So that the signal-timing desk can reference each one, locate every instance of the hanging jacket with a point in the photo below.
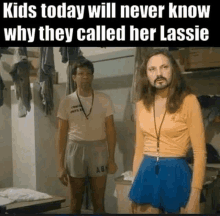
(70, 54)
(2, 87)
(2, 50)
(46, 73)
(20, 75)
(211, 106)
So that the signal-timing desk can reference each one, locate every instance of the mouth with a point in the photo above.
(159, 80)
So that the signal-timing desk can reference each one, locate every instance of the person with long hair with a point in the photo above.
(169, 121)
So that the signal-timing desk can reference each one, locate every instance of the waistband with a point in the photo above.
(85, 143)
(163, 158)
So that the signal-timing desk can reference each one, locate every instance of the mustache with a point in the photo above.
(159, 78)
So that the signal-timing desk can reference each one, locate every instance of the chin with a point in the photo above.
(161, 87)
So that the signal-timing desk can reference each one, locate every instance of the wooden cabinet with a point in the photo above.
(195, 58)
(202, 57)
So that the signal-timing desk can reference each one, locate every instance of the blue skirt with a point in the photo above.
(168, 188)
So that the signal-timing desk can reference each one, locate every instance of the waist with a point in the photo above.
(161, 157)
(85, 143)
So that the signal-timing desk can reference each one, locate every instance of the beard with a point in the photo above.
(161, 83)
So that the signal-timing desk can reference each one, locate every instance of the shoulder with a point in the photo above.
(68, 98)
(71, 96)
(190, 99)
(140, 105)
(102, 96)
(191, 103)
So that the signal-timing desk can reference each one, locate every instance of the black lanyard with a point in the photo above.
(158, 137)
(82, 105)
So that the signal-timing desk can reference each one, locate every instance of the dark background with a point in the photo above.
(211, 23)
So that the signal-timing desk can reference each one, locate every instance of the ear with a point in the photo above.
(73, 77)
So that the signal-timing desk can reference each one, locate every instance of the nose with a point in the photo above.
(158, 72)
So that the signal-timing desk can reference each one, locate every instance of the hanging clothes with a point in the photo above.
(45, 74)
(2, 87)
(210, 108)
(20, 75)
(2, 50)
(70, 54)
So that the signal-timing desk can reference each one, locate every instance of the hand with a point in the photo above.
(193, 205)
(63, 177)
(112, 167)
(192, 208)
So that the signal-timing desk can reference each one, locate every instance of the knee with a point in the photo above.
(99, 211)
(143, 209)
(98, 203)
(98, 206)
(75, 205)
(74, 208)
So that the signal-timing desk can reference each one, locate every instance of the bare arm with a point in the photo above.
(139, 145)
(197, 136)
(111, 140)
(61, 142)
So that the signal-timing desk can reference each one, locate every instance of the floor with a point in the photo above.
(66, 210)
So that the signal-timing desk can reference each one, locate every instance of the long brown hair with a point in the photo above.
(178, 87)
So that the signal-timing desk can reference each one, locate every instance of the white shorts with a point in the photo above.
(86, 158)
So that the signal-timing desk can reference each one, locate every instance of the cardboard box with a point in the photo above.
(122, 188)
(201, 57)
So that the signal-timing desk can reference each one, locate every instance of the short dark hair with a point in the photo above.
(178, 88)
(82, 62)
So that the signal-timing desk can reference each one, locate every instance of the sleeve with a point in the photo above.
(109, 107)
(197, 136)
(139, 145)
(62, 112)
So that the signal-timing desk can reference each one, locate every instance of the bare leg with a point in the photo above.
(200, 211)
(77, 187)
(144, 209)
(98, 185)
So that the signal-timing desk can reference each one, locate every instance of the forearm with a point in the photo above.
(61, 149)
(110, 136)
(111, 140)
(198, 142)
(138, 156)
(199, 169)
(61, 142)
(195, 194)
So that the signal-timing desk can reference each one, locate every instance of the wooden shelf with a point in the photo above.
(10, 51)
(202, 73)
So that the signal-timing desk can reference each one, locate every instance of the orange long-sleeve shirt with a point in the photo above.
(177, 132)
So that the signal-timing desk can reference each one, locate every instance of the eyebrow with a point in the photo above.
(166, 64)
(151, 67)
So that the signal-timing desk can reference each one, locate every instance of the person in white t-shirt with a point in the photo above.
(86, 139)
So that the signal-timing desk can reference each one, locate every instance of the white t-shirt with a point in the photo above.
(80, 128)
